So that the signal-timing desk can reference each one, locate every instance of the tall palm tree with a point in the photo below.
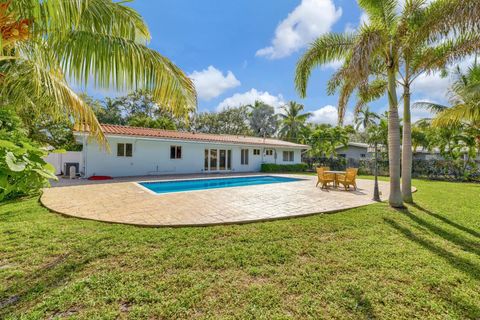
(373, 43)
(292, 121)
(48, 43)
(365, 118)
(382, 48)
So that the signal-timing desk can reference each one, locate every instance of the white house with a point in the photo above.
(143, 151)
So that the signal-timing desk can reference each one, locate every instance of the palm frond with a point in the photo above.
(381, 12)
(36, 78)
(451, 50)
(456, 115)
(430, 106)
(124, 65)
(443, 18)
(325, 49)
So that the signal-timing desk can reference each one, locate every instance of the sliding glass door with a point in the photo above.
(218, 160)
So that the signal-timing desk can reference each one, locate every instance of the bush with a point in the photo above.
(22, 169)
(271, 167)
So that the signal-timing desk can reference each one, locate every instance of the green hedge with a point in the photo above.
(270, 167)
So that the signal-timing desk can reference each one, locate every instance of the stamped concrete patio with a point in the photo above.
(127, 202)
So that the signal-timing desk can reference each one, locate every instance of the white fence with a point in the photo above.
(58, 160)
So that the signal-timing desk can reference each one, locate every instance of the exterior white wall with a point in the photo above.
(152, 157)
(59, 159)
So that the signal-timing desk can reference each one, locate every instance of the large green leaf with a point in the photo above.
(10, 159)
(45, 174)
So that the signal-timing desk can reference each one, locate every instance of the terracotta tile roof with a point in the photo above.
(190, 136)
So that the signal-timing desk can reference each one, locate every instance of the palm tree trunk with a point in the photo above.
(407, 147)
(395, 199)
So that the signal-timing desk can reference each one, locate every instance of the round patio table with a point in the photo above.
(335, 184)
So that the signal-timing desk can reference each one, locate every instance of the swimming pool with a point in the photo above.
(216, 183)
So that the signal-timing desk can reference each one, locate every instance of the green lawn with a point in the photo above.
(371, 262)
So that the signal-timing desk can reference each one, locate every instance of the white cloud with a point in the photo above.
(210, 82)
(432, 86)
(335, 64)
(364, 19)
(249, 97)
(305, 23)
(329, 115)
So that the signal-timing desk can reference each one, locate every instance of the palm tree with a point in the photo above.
(47, 44)
(292, 121)
(381, 48)
(372, 44)
(464, 98)
(365, 118)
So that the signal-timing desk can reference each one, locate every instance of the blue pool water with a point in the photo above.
(203, 184)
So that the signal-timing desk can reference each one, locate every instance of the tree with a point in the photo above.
(373, 44)
(263, 120)
(292, 121)
(108, 112)
(49, 42)
(325, 139)
(381, 47)
(464, 100)
(164, 123)
(228, 121)
(365, 118)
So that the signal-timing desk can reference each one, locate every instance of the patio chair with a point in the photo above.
(324, 178)
(348, 179)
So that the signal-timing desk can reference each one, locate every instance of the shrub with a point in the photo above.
(22, 169)
(271, 167)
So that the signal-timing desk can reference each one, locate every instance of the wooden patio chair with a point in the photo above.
(348, 179)
(324, 178)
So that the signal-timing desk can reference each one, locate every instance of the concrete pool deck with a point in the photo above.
(128, 203)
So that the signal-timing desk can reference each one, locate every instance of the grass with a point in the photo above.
(367, 263)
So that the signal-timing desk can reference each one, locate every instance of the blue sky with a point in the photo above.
(238, 51)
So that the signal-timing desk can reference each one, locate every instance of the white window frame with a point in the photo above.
(124, 149)
(256, 152)
(269, 152)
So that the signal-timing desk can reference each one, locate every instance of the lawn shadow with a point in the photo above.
(462, 264)
(454, 238)
(448, 221)
(363, 304)
(47, 277)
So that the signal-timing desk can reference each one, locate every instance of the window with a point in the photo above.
(124, 149)
(244, 157)
(256, 152)
(342, 155)
(175, 152)
(362, 155)
(269, 152)
(287, 155)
